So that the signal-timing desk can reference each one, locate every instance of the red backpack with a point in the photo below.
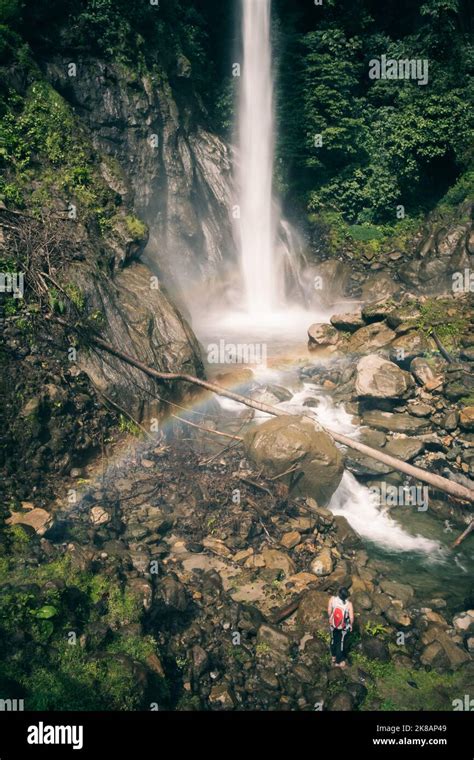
(339, 616)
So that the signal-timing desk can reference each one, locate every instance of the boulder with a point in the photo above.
(291, 539)
(173, 594)
(323, 563)
(408, 346)
(365, 466)
(404, 317)
(464, 621)
(301, 581)
(283, 442)
(397, 590)
(380, 379)
(419, 409)
(398, 617)
(99, 516)
(342, 702)
(448, 239)
(216, 546)
(458, 383)
(405, 449)
(142, 589)
(200, 660)
(36, 518)
(377, 312)
(341, 576)
(425, 373)
(450, 420)
(272, 641)
(361, 600)
(313, 611)
(375, 648)
(221, 697)
(440, 651)
(346, 536)
(379, 287)
(322, 335)
(395, 423)
(434, 656)
(426, 275)
(466, 418)
(277, 560)
(347, 322)
(141, 321)
(369, 338)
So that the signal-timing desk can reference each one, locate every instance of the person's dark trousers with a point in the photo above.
(338, 645)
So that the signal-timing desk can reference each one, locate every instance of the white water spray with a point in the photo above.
(256, 148)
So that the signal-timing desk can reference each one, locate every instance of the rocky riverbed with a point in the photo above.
(165, 573)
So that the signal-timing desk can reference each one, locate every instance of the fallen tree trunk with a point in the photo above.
(284, 612)
(455, 490)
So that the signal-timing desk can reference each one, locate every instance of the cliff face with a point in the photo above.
(112, 119)
(178, 175)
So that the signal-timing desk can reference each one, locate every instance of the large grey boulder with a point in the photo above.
(380, 379)
(141, 321)
(284, 442)
(370, 338)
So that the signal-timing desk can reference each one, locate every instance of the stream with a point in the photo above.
(410, 546)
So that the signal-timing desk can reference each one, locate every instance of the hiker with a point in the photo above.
(341, 620)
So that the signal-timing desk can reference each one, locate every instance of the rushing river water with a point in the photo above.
(411, 546)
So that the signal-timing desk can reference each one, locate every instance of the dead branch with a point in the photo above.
(284, 612)
(463, 535)
(207, 430)
(441, 348)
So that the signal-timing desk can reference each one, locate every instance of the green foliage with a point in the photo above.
(391, 687)
(136, 227)
(462, 190)
(18, 536)
(9, 10)
(385, 143)
(56, 673)
(76, 295)
(324, 636)
(445, 319)
(375, 629)
(56, 302)
(126, 425)
(41, 138)
(363, 238)
(79, 682)
(46, 612)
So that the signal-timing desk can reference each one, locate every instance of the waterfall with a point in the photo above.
(256, 149)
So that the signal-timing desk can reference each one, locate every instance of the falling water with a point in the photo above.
(256, 146)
